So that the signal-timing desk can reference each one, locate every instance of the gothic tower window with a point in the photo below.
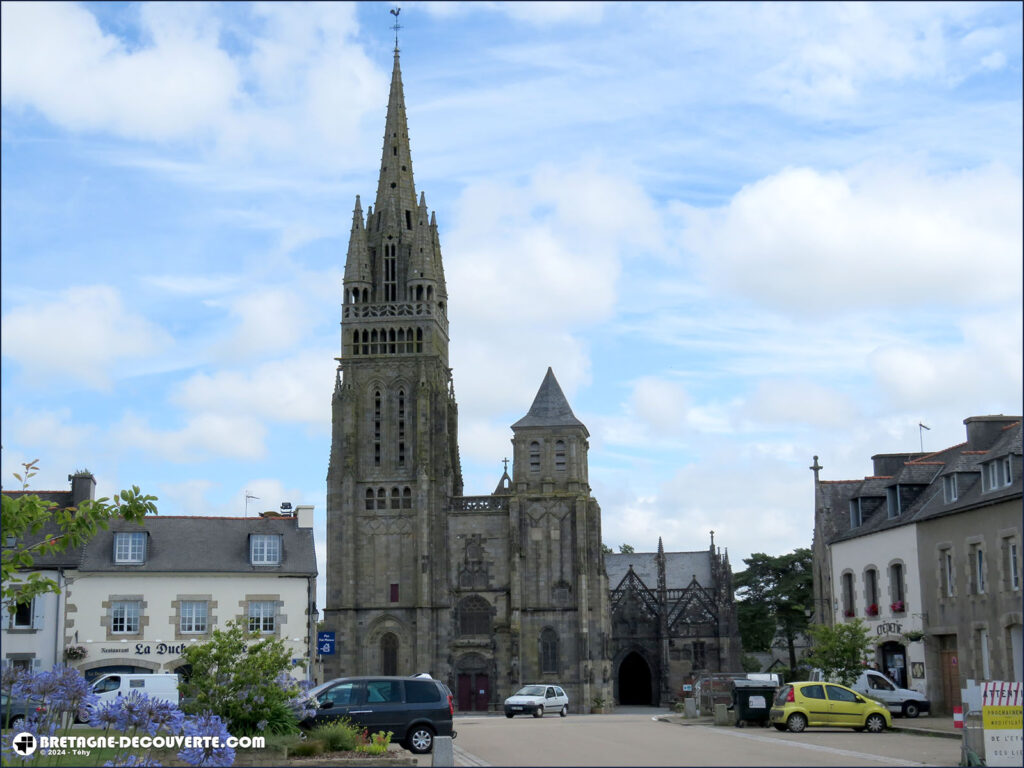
(407, 498)
(548, 650)
(534, 456)
(390, 272)
(389, 654)
(419, 339)
(355, 342)
(395, 499)
(374, 346)
(401, 428)
(376, 427)
(369, 498)
(474, 616)
(382, 499)
(560, 456)
(391, 341)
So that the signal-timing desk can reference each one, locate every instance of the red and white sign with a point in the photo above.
(958, 717)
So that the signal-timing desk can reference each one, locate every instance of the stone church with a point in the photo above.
(486, 593)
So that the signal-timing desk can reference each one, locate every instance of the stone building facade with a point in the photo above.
(484, 592)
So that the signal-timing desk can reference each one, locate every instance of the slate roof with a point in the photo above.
(68, 558)
(550, 408)
(930, 503)
(204, 544)
(680, 568)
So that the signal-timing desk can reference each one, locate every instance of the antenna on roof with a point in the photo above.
(247, 497)
(920, 433)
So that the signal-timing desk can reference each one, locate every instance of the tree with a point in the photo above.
(605, 549)
(840, 650)
(243, 678)
(626, 549)
(773, 595)
(40, 528)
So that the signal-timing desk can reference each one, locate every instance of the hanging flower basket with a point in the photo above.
(74, 652)
(914, 636)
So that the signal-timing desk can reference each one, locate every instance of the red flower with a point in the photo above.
(873, 609)
(897, 607)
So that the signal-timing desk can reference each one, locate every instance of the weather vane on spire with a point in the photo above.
(394, 12)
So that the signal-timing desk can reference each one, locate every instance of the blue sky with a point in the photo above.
(742, 235)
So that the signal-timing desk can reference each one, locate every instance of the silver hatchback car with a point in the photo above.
(536, 700)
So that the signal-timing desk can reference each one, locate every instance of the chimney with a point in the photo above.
(983, 431)
(83, 487)
(889, 464)
(304, 515)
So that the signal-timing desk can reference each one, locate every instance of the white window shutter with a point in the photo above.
(37, 614)
(37, 662)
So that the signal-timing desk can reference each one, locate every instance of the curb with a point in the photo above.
(928, 732)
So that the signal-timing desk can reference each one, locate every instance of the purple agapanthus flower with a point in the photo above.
(210, 726)
(125, 759)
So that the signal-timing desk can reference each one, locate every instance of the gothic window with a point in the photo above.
(376, 427)
(560, 456)
(382, 499)
(474, 616)
(390, 272)
(401, 341)
(391, 342)
(401, 427)
(408, 219)
(407, 498)
(419, 339)
(369, 498)
(389, 654)
(700, 655)
(535, 456)
(395, 502)
(366, 342)
(548, 650)
(355, 342)
(374, 346)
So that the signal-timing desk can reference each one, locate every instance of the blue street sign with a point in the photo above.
(325, 643)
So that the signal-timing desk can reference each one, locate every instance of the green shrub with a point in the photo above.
(378, 744)
(308, 748)
(283, 743)
(339, 736)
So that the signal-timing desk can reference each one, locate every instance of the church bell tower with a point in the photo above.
(394, 460)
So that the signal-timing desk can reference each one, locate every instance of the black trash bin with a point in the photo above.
(752, 702)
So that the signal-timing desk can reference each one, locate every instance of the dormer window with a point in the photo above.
(1007, 463)
(892, 499)
(949, 489)
(265, 549)
(130, 547)
(856, 513)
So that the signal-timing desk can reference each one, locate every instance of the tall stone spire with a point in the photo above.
(357, 265)
(396, 183)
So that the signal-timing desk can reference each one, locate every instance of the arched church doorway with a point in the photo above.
(635, 681)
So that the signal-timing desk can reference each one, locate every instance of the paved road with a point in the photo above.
(638, 738)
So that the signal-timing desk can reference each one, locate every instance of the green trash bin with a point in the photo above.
(752, 702)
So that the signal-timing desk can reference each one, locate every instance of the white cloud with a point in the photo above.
(893, 238)
(205, 435)
(80, 334)
(787, 403)
(661, 405)
(295, 389)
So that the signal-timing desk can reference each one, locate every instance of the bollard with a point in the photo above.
(721, 714)
(690, 708)
(444, 752)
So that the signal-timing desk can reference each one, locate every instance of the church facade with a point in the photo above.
(486, 593)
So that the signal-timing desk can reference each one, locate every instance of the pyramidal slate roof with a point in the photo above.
(550, 408)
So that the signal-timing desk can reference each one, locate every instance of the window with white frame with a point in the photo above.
(262, 616)
(978, 556)
(22, 616)
(1007, 462)
(265, 549)
(129, 547)
(949, 489)
(124, 617)
(998, 474)
(193, 617)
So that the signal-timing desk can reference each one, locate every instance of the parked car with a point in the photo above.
(14, 712)
(414, 709)
(536, 700)
(899, 701)
(798, 705)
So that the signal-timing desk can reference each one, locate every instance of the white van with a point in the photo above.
(156, 686)
(899, 701)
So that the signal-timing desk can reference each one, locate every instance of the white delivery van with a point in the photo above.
(899, 701)
(156, 686)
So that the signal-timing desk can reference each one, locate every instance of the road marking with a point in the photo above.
(462, 757)
(814, 747)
